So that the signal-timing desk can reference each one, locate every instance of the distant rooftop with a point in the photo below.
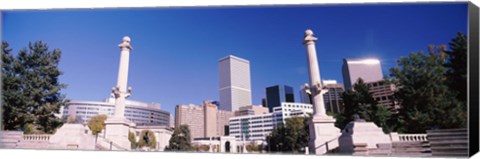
(234, 57)
(367, 61)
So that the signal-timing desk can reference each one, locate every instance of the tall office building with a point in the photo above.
(278, 94)
(304, 97)
(368, 69)
(332, 99)
(234, 74)
(204, 121)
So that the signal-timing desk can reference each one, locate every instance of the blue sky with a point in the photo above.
(176, 50)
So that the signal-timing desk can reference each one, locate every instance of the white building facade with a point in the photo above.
(235, 86)
(138, 112)
(257, 127)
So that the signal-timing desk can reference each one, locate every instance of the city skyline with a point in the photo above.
(162, 71)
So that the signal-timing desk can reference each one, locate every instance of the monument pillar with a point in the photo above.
(118, 127)
(322, 127)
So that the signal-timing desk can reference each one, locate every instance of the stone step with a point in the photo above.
(459, 147)
(9, 140)
(440, 134)
(8, 145)
(34, 145)
(448, 138)
(410, 144)
(449, 142)
(100, 147)
(411, 149)
(411, 155)
(11, 133)
(360, 154)
(451, 150)
(11, 137)
(384, 146)
(379, 154)
(465, 154)
(449, 130)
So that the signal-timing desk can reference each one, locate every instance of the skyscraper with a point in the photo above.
(234, 74)
(278, 94)
(304, 97)
(369, 69)
(332, 99)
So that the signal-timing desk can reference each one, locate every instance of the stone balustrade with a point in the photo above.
(36, 137)
(408, 137)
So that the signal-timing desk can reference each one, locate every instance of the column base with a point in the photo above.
(117, 130)
(323, 134)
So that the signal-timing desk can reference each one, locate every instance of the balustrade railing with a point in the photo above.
(36, 137)
(408, 137)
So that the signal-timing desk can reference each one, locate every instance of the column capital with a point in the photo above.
(309, 38)
(126, 43)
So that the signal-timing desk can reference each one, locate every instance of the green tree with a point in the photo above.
(147, 139)
(31, 89)
(97, 124)
(133, 141)
(360, 101)
(424, 96)
(276, 139)
(456, 65)
(291, 137)
(253, 148)
(15, 112)
(201, 148)
(180, 140)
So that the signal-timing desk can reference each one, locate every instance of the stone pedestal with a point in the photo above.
(323, 134)
(72, 136)
(359, 133)
(117, 129)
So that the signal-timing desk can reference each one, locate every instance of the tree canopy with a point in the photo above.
(31, 89)
(293, 136)
(360, 101)
(180, 140)
(456, 66)
(132, 139)
(147, 139)
(424, 94)
(97, 124)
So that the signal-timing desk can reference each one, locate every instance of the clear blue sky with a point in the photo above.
(176, 50)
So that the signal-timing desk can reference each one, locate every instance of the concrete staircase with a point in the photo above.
(449, 142)
(105, 144)
(411, 149)
(10, 139)
(381, 150)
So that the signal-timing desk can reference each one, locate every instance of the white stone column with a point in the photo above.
(316, 87)
(322, 127)
(118, 127)
(120, 91)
